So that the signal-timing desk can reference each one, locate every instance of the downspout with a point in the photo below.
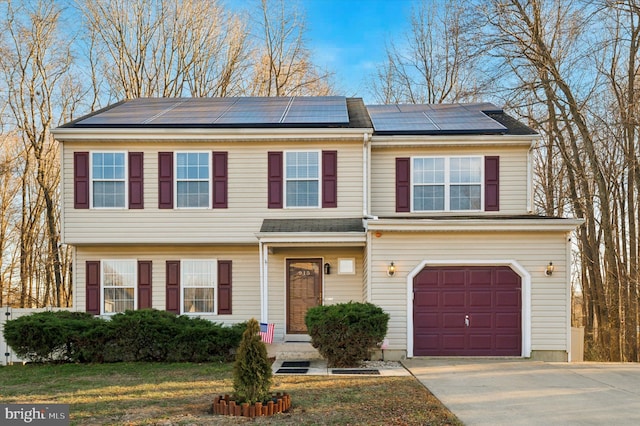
(366, 175)
(366, 197)
(264, 305)
(534, 145)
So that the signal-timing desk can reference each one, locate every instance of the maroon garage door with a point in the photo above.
(467, 311)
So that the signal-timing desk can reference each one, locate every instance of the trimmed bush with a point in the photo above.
(200, 340)
(345, 333)
(144, 335)
(48, 336)
(252, 376)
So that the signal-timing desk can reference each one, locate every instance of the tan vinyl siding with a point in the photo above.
(247, 197)
(513, 176)
(532, 250)
(337, 288)
(245, 284)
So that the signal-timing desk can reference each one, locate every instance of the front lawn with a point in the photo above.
(181, 394)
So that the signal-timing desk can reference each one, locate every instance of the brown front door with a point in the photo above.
(304, 291)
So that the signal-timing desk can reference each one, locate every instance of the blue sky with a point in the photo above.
(348, 36)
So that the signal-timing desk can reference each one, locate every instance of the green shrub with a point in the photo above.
(144, 335)
(49, 336)
(200, 340)
(252, 376)
(345, 333)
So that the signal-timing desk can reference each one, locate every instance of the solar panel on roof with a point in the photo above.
(224, 111)
(434, 119)
(326, 109)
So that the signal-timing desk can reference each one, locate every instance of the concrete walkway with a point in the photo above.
(522, 392)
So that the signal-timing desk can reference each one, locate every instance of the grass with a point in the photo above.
(181, 394)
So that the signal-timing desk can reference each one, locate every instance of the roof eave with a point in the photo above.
(205, 134)
(333, 238)
(400, 141)
(469, 225)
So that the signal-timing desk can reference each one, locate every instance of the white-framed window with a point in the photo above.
(302, 178)
(193, 179)
(108, 179)
(447, 183)
(199, 278)
(119, 278)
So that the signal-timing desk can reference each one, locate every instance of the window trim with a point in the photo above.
(215, 286)
(176, 180)
(286, 180)
(447, 182)
(125, 180)
(103, 287)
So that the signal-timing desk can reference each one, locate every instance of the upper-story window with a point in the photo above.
(198, 286)
(447, 183)
(302, 178)
(193, 177)
(108, 179)
(118, 285)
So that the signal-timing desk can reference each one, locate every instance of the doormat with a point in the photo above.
(292, 371)
(354, 371)
(295, 364)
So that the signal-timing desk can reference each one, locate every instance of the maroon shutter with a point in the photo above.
(173, 286)
(81, 180)
(275, 180)
(165, 180)
(329, 179)
(224, 287)
(492, 184)
(403, 184)
(93, 286)
(144, 284)
(219, 185)
(136, 180)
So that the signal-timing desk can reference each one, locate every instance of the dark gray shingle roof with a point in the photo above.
(312, 225)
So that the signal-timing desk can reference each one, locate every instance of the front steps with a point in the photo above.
(292, 351)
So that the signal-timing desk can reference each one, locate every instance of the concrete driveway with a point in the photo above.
(522, 392)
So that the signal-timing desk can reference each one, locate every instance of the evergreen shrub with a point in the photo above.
(252, 376)
(345, 333)
(143, 335)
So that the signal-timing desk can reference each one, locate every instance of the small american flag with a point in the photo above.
(266, 332)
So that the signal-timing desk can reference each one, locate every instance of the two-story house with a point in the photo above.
(232, 208)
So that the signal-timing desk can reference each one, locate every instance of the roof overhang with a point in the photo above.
(326, 231)
(207, 134)
(316, 238)
(501, 224)
(412, 141)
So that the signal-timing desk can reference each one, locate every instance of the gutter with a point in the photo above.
(205, 134)
(470, 225)
(411, 141)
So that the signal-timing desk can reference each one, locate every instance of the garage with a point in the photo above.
(467, 311)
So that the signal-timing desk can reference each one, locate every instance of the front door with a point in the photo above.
(304, 291)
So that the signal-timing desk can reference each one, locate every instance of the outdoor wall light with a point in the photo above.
(549, 271)
(391, 269)
(327, 269)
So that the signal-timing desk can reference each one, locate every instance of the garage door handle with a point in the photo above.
(466, 320)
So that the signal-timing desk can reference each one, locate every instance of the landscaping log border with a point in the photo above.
(226, 406)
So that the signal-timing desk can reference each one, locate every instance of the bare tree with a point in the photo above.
(155, 48)
(562, 68)
(282, 62)
(9, 217)
(436, 60)
(36, 60)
